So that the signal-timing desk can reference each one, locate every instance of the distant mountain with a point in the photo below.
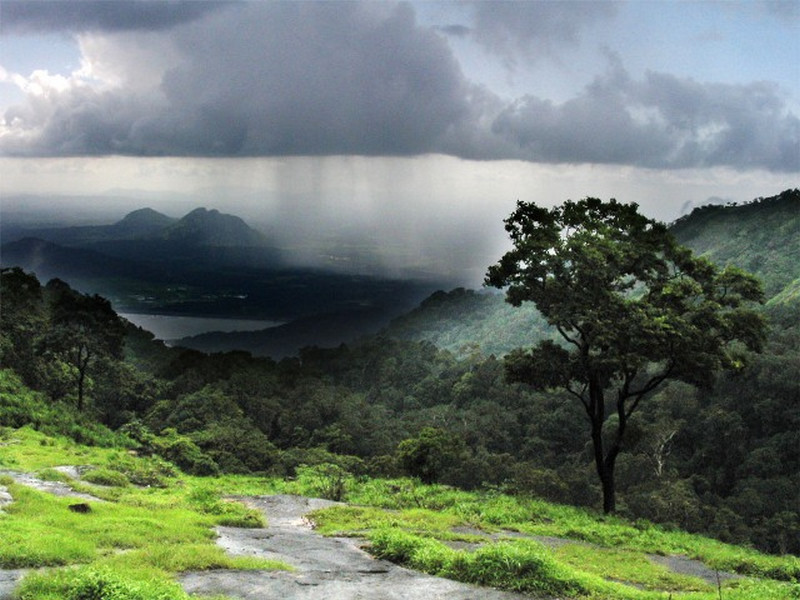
(462, 320)
(200, 227)
(142, 223)
(325, 330)
(203, 227)
(203, 238)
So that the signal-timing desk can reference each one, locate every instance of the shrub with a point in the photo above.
(523, 565)
(148, 472)
(326, 480)
(98, 584)
(52, 475)
(102, 476)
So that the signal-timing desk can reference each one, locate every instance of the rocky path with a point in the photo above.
(326, 568)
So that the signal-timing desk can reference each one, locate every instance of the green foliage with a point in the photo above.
(149, 471)
(522, 566)
(762, 236)
(723, 461)
(435, 511)
(431, 454)
(326, 480)
(162, 531)
(464, 321)
(632, 306)
(20, 406)
(84, 334)
(21, 322)
(98, 584)
(104, 476)
(227, 512)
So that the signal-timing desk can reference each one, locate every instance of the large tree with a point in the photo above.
(632, 307)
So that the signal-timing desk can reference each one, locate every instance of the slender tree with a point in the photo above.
(633, 309)
(84, 330)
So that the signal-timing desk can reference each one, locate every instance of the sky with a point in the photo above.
(412, 125)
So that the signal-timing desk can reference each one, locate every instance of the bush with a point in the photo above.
(524, 565)
(183, 452)
(326, 480)
(228, 513)
(102, 476)
(147, 472)
(52, 475)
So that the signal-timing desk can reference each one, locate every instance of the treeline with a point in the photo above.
(725, 462)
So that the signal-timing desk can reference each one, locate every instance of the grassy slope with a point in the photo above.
(133, 545)
(608, 559)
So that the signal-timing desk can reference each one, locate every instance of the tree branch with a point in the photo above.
(648, 387)
(566, 337)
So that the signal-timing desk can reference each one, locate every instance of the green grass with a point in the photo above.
(131, 544)
(410, 523)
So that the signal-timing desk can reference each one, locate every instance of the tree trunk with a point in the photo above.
(605, 469)
(609, 491)
(81, 379)
(604, 464)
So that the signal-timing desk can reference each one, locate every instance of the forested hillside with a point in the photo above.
(762, 237)
(723, 461)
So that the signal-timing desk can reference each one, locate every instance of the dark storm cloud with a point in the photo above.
(99, 15)
(662, 121)
(320, 78)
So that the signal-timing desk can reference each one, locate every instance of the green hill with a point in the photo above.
(720, 461)
(462, 321)
(762, 237)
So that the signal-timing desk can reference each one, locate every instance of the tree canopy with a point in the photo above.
(633, 309)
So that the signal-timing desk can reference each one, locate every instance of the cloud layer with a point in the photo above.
(285, 78)
(100, 15)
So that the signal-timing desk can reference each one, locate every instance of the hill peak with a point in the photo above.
(144, 218)
(210, 227)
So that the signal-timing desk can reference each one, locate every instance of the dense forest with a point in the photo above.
(428, 397)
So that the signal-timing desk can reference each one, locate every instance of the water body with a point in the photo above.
(171, 327)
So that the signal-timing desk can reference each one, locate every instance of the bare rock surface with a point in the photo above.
(5, 497)
(688, 566)
(8, 581)
(58, 488)
(325, 568)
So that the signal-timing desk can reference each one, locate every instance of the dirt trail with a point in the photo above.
(326, 568)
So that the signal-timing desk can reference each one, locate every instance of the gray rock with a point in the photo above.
(325, 568)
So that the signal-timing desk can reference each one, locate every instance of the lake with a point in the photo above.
(171, 327)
